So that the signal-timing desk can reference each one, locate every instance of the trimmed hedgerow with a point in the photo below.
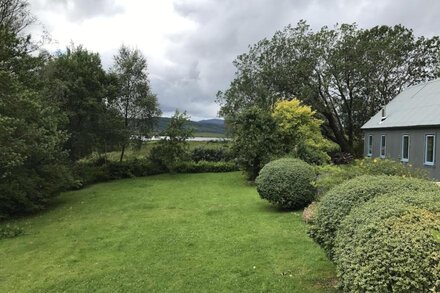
(339, 201)
(205, 167)
(92, 172)
(331, 175)
(391, 244)
(287, 183)
(210, 154)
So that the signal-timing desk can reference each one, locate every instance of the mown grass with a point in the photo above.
(167, 233)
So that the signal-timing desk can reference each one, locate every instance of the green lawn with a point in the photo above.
(179, 233)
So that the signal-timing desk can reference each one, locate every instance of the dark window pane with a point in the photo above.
(405, 154)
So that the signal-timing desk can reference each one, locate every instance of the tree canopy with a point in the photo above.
(345, 73)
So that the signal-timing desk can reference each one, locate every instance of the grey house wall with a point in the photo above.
(416, 146)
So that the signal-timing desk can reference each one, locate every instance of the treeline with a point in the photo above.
(56, 109)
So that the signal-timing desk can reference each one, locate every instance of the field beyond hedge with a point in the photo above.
(180, 233)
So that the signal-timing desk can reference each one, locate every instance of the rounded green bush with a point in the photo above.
(391, 244)
(336, 204)
(287, 183)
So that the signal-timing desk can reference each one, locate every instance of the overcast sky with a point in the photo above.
(190, 44)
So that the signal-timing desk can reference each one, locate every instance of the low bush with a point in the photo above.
(391, 244)
(331, 175)
(206, 167)
(168, 154)
(10, 231)
(287, 183)
(338, 202)
(88, 172)
(210, 154)
(309, 213)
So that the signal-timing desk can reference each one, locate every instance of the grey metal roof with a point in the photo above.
(415, 106)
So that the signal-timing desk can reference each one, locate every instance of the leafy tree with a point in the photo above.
(173, 148)
(136, 102)
(345, 73)
(32, 163)
(255, 140)
(16, 15)
(300, 132)
(77, 82)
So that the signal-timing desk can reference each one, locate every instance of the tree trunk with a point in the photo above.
(122, 153)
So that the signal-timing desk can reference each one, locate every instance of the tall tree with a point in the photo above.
(345, 73)
(77, 82)
(135, 100)
(16, 15)
(32, 162)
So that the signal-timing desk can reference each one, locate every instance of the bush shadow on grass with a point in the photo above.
(269, 208)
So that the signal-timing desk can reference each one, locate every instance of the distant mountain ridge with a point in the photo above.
(215, 126)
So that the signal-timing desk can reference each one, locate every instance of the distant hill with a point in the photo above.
(214, 126)
(219, 122)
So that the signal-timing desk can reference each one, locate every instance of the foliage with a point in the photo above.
(389, 244)
(331, 175)
(91, 172)
(339, 201)
(175, 224)
(173, 149)
(10, 231)
(255, 140)
(309, 213)
(205, 167)
(32, 163)
(16, 15)
(210, 154)
(287, 183)
(300, 132)
(345, 73)
(76, 81)
(134, 99)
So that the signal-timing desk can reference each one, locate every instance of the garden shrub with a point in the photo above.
(88, 172)
(287, 183)
(205, 167)
(391, 244)
(339, 201)
(168, 154)
(309, 213)
(210, 154)
(330, 176)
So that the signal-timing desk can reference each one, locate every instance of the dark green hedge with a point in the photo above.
(287, 183)
(391, 244)
(92, 172)
(339, 201)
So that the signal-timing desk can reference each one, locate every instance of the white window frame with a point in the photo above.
(403, 159)
(383, 148)
(426, 150)
(370, 146)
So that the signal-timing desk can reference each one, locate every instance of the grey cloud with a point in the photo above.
(80, 10)
(226, 28)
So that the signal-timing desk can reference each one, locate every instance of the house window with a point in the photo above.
(429, 149)
(370, 146)
(405, 148)
(383, 146)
